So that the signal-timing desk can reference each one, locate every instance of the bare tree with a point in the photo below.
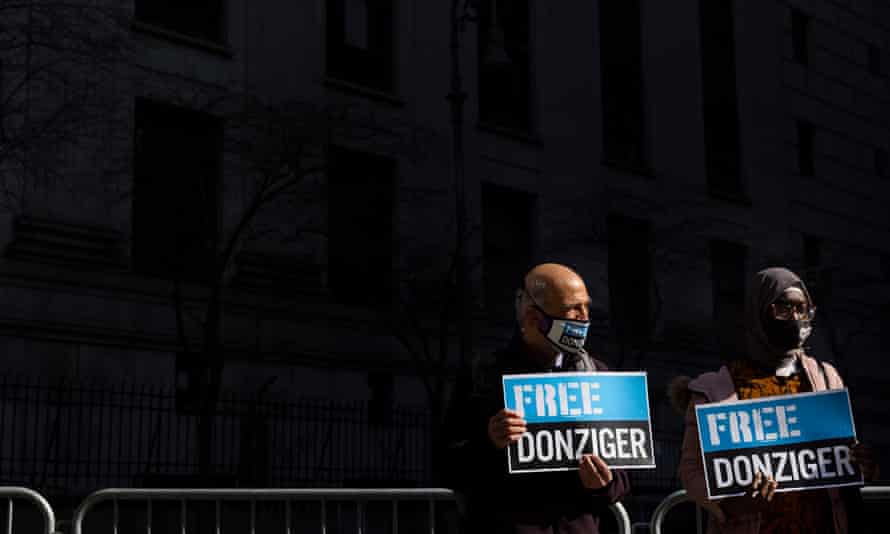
(58, 64)
(278, 152)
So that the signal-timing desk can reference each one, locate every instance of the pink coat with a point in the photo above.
(719, 387)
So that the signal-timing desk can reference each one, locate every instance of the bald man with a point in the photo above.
(552, 320)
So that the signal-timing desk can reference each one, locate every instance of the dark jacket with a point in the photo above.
(476, 469)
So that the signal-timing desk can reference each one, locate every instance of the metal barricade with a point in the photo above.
(252, 496)
(875, 493)
(13, 492)
(666, 505)
(869, 493)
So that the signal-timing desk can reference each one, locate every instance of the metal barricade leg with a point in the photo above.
(14, 492)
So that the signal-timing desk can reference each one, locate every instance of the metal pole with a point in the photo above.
(457, 97)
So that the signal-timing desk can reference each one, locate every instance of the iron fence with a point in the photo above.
(71, 438)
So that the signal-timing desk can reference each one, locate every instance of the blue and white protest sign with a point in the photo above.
(569, 415)
(802, 441)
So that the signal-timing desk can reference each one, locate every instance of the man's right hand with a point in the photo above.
(505, 427)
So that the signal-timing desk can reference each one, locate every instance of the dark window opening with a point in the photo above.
(728, 288)
(360, 227)
(360, 42)
(812, 251)
(504, 64)
(874, 61)
(719, 102)
(630, 278)
(196, 18)
(800, 24)
(176, 191)
(622, 84)
(507, 246)
(805, 157)
(880, 162)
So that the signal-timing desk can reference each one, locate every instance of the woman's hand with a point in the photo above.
(861, 455)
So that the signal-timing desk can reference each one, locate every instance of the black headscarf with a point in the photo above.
(768, 285)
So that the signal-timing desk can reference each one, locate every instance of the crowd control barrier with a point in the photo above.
(254, 496)
(13, 493)
(869, 493)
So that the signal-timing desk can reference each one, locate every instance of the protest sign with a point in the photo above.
(802, 441)
(572, 414)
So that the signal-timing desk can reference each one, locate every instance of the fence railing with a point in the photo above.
(12, 493)
(869, 493)
(70, 438)
(284, 522)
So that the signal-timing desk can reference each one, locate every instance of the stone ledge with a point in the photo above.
(51, 241)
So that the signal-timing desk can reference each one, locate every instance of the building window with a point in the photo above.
(880, 162)
(812, 251)
(805, 157)
(622, 83)
(360, 227)
(800, 28)
(176, 195)
(728, 287)
(874, 60)
(719, 104)
(508, 222)
(360, 42)
(197, 18)
(504, 64)
(630, 278)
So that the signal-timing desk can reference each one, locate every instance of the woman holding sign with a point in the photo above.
(778, 315)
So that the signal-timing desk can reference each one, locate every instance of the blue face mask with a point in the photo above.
(567, 335)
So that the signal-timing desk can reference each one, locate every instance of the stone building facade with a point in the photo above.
(666, 150)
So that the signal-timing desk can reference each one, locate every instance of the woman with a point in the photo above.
(778, 314)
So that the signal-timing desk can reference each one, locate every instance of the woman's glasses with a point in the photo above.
(785, 310)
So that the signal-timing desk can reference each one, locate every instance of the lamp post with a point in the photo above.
(495, 53)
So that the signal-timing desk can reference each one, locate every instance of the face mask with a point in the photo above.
(787, 335)
(566, 335)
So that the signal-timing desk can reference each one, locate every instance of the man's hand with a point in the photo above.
(861, 455)
(594, 472)
(505, 427)
(763, 487)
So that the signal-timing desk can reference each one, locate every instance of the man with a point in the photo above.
(552, 317)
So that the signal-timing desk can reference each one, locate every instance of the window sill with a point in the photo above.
(641, 170)
(524, 136)
(183, 39)
(357, 89)
(735, 197)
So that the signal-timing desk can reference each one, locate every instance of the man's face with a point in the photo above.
(568, 300)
